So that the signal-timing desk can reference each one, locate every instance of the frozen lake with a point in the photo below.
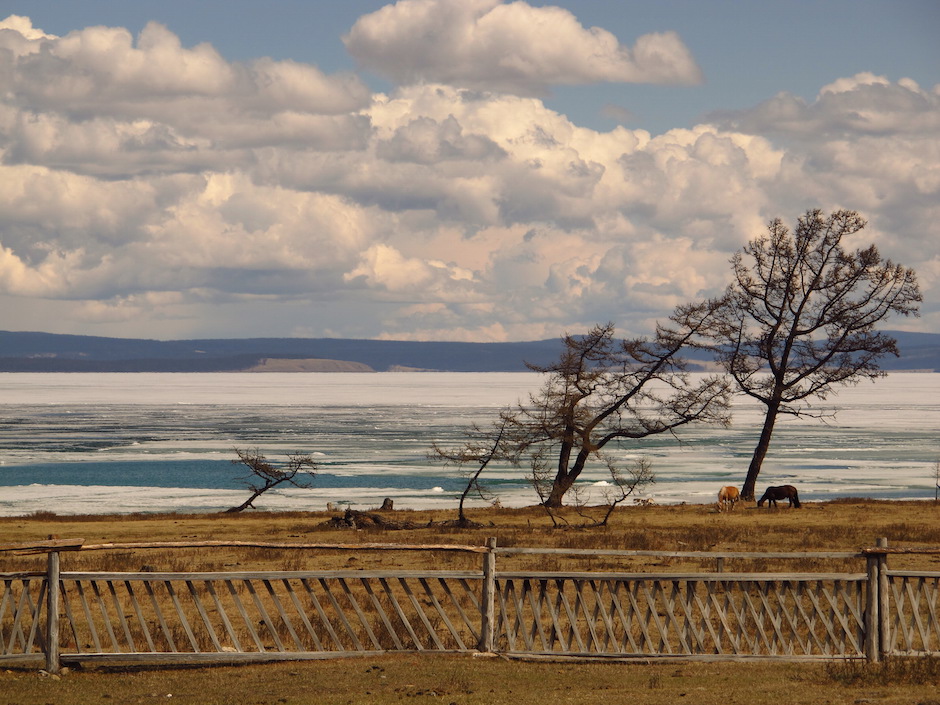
(102, 443)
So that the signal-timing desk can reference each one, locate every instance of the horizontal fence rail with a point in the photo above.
(56, 616)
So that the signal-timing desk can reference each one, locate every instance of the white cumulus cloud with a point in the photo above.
(182, 194)
(511, 47)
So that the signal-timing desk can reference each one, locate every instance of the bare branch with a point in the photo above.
(604, 391)
(482, 447)
(299, 471)
(798, 319)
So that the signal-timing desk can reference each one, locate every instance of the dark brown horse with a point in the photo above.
(782, 492)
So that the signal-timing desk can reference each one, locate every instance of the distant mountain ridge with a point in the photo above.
(52, 352)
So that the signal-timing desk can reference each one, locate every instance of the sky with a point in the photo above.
(469, 170)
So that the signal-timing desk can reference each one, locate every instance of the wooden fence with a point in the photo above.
(53, 617)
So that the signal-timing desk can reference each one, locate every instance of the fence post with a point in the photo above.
(52, 612)
(872, 622)
(884, 612)
(488, 602)
(876, 608)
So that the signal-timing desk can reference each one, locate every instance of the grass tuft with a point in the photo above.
(923, 670)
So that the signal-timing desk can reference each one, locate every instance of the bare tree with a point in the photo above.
(936, 481)
(473, 456)
(799, 317)
(603, 391)
(299, 471)
(623, 484)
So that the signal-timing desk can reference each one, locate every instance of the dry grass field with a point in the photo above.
(831, 526)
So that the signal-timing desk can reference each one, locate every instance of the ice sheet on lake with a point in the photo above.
(75, 443)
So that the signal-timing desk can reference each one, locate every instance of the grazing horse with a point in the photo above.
(727, 498)
(782, 492)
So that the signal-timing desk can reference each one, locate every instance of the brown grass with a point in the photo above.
(433, 678)
(824, 526)
(426, 678)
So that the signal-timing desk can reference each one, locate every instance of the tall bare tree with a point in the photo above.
(602, 392)
(799, 317)
(299, 471)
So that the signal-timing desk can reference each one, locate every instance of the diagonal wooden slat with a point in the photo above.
(341, 615)
(588, 602)
(141, 621)
(89, 620)
(34, 613)
(321, 613)
(797, 591)
(899, 632)
(517, 605)
(17, 636)
(442, 613)
(633, 594)
(828, 636)
(223, 616)
(247, 621)
(914, 596)
(572, 616)
(762, 642)
(652, 589)
(70, 617)
(468, 623)
(719, 606)
(181, 614)
(122, 620)
(419, 610)
(201, 611)
(606, 609)
(401, 613)
(284, 618)
(704, 604)
(626, 644)
(380, 611)
(103, 609)
(158, 613)
(536, 605)
(554, 605)
(931, 589)
(503, 614)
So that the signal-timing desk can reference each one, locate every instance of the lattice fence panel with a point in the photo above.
(22, 602)
(711, 614)
(261, 613)
(913, 613)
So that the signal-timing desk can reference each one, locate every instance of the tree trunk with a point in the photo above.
(247, 503)
(565, 478)
(760, 452)
(559, 487)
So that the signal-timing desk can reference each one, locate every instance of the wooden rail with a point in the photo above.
(57, 616)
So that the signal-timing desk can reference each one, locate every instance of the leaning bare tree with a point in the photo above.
(800, 316)
(603, 391)
(299, 471)
(481, 447)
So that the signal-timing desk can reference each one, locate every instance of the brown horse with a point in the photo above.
(787, 492)
(727, 498)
